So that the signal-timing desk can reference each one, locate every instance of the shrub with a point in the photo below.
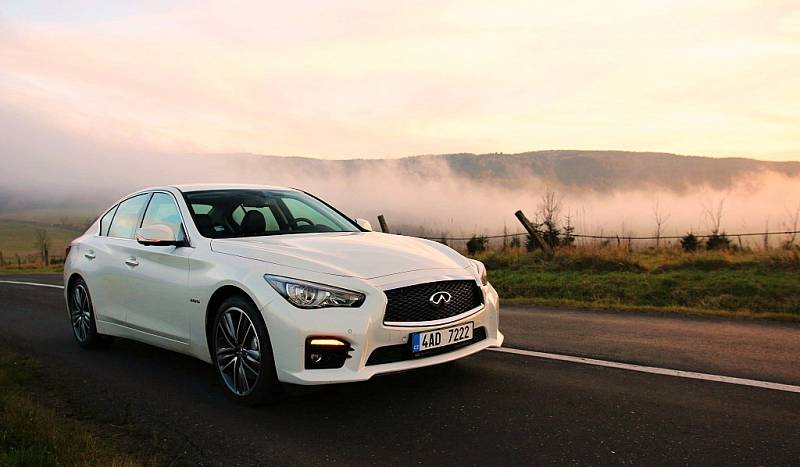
(718, 241)
(477, 244)
(551, 234)
(568, 238)
(690, 242)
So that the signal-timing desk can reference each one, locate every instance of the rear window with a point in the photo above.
(127, 217)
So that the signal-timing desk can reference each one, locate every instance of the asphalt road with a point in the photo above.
(492, 408)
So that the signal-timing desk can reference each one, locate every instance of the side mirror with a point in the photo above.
(364, 224)
(157, 235)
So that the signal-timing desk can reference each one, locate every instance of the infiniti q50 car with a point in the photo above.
(272, 285)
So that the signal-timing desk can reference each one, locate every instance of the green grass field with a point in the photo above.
(763, 284)
(18, 238)
(77, 216)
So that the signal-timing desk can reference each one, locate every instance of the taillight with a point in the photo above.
(66, 252)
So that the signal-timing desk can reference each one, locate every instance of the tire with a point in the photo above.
(81, 313)
(241, 353)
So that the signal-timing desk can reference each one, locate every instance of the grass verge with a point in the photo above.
(752, 285)
(33, 433)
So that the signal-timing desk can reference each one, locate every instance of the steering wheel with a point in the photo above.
(302, 219)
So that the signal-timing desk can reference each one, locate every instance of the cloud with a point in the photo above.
(354, 79)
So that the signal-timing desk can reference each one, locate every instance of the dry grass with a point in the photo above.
(650, 260)
(732, 283)
(32, 433)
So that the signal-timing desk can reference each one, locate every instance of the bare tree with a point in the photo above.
(549, 210)
(661, 219)
(550, 207)
(713, 212)
(41, 243)
(792, 224)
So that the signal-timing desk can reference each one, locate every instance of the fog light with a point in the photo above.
(326, 352)
(326, 342)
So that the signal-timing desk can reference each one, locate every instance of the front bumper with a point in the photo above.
(364, 330)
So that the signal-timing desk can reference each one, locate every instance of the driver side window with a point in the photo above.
(163, 210)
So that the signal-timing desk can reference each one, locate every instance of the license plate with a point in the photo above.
(421, 341)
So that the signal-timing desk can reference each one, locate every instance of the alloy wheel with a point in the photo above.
(238, 351)
(80, 312)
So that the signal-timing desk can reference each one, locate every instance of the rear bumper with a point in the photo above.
(365, 331)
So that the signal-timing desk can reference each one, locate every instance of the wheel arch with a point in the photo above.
(220, 295)
(72, 279)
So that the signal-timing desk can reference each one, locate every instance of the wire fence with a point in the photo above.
(619, 237)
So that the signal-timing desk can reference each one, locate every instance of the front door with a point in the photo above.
(159, 298)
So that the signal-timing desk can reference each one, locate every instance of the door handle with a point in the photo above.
(90, 255)
(131, 262)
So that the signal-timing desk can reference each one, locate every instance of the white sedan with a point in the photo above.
(273, 285)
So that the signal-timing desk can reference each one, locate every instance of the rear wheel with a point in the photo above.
(81, 315)
(242, 353)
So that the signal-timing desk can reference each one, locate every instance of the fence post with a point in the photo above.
(533, 233)
(382, 222)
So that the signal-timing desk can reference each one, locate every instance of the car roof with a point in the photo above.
(227, 186)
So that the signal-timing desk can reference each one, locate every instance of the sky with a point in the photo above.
(368, 79)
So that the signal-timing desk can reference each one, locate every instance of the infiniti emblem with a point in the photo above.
(440, 298)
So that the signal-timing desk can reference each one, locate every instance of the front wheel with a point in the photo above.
(242, 353)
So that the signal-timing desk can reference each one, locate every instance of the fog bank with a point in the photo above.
(45, 167)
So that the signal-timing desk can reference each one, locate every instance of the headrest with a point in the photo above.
(253, 223)
(204, 224)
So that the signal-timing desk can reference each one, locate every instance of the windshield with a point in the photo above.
(254, 213)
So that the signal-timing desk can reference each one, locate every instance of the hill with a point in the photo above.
(597, 171)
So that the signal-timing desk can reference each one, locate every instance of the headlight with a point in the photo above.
(481, 271)
(304, 294)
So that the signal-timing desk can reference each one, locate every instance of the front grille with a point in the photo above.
(413, 303)
(402, 352)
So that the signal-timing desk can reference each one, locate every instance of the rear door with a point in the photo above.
(95, 262)
(110, 284)
(159, 300)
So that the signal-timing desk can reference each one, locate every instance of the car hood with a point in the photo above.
(366, 255)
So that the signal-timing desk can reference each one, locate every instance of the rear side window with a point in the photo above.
(105, 221)
(201, 208)
(128, 212)
(163, 210)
